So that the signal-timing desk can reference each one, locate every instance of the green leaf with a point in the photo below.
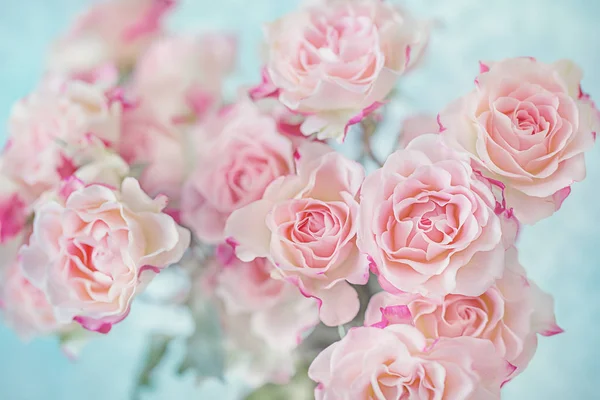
(205, 353)
(156, 353)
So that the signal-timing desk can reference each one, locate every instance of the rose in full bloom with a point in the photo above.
(24, 307)
(47, 126)
(398, 362)
(263, 317)
(155, 146)
(510, 314)
(240, 153)
(428, 222)
(527, 124)
(182, 76)
(110, 32)
(338, 60)
(414, 126)
(94, 248)
(306, 225)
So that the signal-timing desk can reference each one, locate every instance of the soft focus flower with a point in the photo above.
(527, 124)
(428, 223)
(398, 362)
(280, 314)
(47, 126)
(14, 210)
(510, 314)
(94, 248)
(99, 164)
(110, 32)
(414, 126)
(182, 76)
(306, 225)
(338, 60)
(157, 147)
(24, 307)
(240, 152)
(264, 318)
(288, 122)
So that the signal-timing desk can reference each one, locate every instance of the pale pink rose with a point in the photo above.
(47, 126)
(510, 314)
(94, 248)
(240, 152)
(110, 32)
(182, 76)
(264, 318)
(156, 147)
(25, 308)
(416, 125)
(338, 60)
(398, 362)
(428, 222)
(527, 124)
(306, 225)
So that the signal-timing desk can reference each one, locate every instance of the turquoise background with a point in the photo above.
(560, 253)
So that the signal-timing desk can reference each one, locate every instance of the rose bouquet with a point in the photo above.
(376, 279)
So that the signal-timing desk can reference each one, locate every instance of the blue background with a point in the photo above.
(560, 253)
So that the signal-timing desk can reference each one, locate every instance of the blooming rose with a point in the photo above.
(156, 146)
(510, 314)
(428, 223)
(527, 124)
(47, 126)
(24, 307)
(306, 225)
(416, 125)
(264, 318)
(337, 60)
(183, 75)
(240, 154)
(111, 31)
(398, 362)
(92, 252)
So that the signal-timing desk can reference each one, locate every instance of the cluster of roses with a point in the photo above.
(93, 166)
(295, 226)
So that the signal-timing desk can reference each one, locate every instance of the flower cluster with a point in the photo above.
(128, 159)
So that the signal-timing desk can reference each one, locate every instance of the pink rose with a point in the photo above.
(338, 60)
(510, 314)
(182, 76)
(240, 154)
(414, 126)
(95, 248)
(46, 127)
(306, 225)
(428, 222)
(25, 308)
(156, 147)
(527, 124)
(264, 317)
(111, 31)
(398, 362)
